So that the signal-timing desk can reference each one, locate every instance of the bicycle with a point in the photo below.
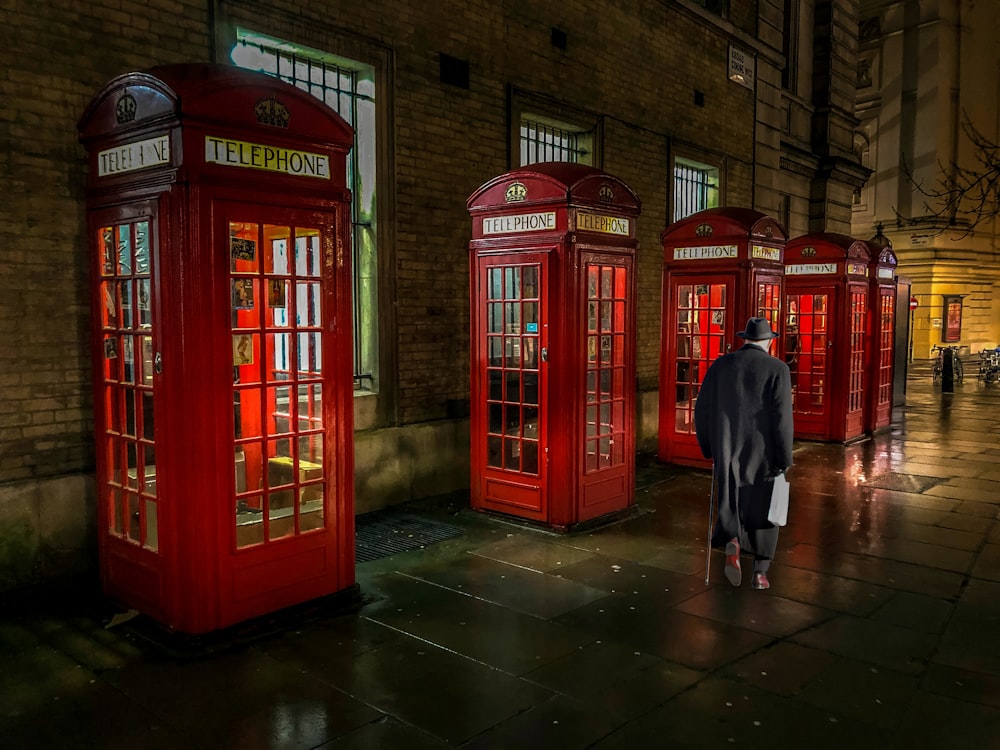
(989, 365)
(956, 364)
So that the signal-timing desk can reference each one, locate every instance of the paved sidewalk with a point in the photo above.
(881, 628)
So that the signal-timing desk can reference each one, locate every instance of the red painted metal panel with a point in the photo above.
(221, 293)
(826, 334)
(720, 267)
(551, 453)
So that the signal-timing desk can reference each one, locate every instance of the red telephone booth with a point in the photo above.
(219, 226)
(721, 267)
(553, 344)
(882, 334)
(825, 334)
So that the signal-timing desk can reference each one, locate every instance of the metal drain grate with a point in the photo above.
(382, 534)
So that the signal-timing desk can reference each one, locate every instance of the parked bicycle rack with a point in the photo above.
(989, 365)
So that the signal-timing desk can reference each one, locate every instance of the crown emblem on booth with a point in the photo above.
(606, 194)
(270, 111)
(516, 191)
(125, 109)
(703, 230)
(809, 252)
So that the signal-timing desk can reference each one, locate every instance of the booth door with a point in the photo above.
(883, 318)
(700, 320)
(853, 404)
(511, 406)
(608, 421)
(128, 315)
(808, 345)
(287, 519)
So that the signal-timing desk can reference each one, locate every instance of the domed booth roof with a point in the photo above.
(210, 93)
(729, 222)
(827, 246)
(577, 184)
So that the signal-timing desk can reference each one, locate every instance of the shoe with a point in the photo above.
(733, 573)
(760, 581)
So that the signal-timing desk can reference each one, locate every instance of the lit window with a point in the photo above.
(549, 141)
(696, 187)
(347, 87)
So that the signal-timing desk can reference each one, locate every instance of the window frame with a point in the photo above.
(686, 156)
(378, 404)
(526, 106)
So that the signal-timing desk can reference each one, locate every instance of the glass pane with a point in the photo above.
(529, 281)
(311, 448)
(279, 411)
(277, 301)
(495, 313)
(310, 353)
(530, 382)
(147, 415)
(493, 450)
(279, 356)
(116, 509)
(124, 250)
(276, 250)
(128, 360)
(106, 243)
(152, 537)
(243, 250)
(307, 253)
(249, 522)
(310, 407)
(145, 314)
(244, 298)
(245, 347)
(133, 528)
(513, 389)
(495, 391)
(125, 302)
(311, 507)
(529, 461)
(142, 248)
(494, 286)
(495, 418)
(307, 304)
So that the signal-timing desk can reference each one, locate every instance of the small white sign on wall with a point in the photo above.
(742, 66)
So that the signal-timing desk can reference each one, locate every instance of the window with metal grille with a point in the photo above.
(347, 87)
(696, 187)
(550, 142)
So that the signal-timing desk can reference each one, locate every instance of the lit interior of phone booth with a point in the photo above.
(721, 267)
(882, 340)
(553, 345)
(826, 334)
(219, 222)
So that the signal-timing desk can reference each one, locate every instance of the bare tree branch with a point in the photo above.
(961, 198)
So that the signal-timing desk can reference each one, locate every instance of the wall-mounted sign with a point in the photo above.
(602, 223)
(269, 158)
(741, 67)
(765, 252)
(807, 269)
(705, 252)
(537, 222)
(129, 157)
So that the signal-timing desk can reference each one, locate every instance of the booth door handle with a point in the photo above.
(158, 363)
(545, 354)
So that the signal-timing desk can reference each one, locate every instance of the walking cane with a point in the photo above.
(711, 511)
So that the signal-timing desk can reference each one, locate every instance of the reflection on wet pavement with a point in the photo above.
(880, 628)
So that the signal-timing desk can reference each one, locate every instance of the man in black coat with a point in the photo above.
(743, 419)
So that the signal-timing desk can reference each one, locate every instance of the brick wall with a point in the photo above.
(636, 64)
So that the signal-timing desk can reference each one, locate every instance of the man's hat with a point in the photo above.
(758, 329)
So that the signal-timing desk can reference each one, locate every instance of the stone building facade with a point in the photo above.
(755, 97)
(927, 79)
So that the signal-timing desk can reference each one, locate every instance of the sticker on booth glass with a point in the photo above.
(242, 249)
(242, 349)
(276, 293)
(531, 327)
(243, 294)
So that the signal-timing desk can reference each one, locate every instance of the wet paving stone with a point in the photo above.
(879, 630)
